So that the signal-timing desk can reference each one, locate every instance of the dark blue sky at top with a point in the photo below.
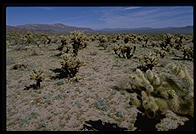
(103, 17)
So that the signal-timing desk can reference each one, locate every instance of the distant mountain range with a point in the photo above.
(51, 28)
(61, 28)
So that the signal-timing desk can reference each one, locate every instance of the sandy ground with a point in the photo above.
(61, 105)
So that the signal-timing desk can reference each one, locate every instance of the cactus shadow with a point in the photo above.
(59, 74)
(117, 88)
(57, 55)
(101, 126)
(143, 123)
(33, 86)
(181, 59)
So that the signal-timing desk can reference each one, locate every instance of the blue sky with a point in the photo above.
(103, 17)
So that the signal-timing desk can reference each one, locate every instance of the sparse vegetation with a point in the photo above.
(148, 74)
(38, 76)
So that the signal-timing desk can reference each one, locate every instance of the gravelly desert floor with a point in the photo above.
(61, 105)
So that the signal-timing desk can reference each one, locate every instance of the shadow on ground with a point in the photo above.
(33, 86)
(101, 126)
(60, 74)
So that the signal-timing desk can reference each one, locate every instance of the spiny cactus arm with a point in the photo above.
(162, 104)
(182, 74)
(134, 100)
(149, 104)
(140, 82)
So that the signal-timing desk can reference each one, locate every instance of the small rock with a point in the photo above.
(60, 82)
(78, 104)
(120, 114)
(102, 105)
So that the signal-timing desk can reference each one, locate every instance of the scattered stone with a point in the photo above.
(102, 105)
(19, 66)
(60, 82)
(78, 104)
(120, 114)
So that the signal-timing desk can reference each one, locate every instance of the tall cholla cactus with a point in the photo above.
(63, 43)
(70, 65)
(145, 39)
(29, 38)
(179, 42)
(183, 75)
(38, 76)
(79, 40)
(171, 90)
(188, 53)
(103, 41)
(148, 61)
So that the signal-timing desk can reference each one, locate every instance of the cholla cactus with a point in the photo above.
(63, 43)
(126, 38)
(148, 61)
(154, 44)
(124, 50)
(29, 38)
(165, 91)
(167, 43)
(67, 49)
(169, 39)
(79, 40)
(145, 38)
(38, 76)
(70, 65)
(47, 38)
(188, 53)
(116, 48)
(160, 52)
(179, 42)
(103, 41)
(140, 38)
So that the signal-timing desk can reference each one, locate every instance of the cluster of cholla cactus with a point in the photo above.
(15, 38)
(169, 40)
(124, 50)
(46, 38)
(161, 53)
(188, 53)
(154, 44)
(29, 38)
(158, 93)
(145, 39)
(148, 61)
(63, 43)
(65, 47)
(38, 76)
(103, 41)
(70, 65)
(79, 40)
(179, 42)
(167, 43)
(126, 38)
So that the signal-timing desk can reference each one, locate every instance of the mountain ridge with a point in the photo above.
(62, 28)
